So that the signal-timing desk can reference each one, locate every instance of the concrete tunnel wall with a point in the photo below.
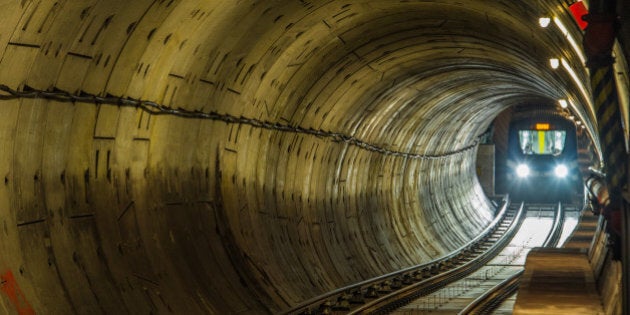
(324, 143)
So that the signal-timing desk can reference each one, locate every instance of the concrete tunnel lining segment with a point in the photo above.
(111, 209)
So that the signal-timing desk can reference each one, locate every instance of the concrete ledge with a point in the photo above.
(558, 281)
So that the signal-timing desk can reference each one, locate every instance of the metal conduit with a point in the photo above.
(155, 108)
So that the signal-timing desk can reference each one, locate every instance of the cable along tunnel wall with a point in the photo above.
(112, 209)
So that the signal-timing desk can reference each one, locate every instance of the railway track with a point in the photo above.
(385, 293)
(462, 272)
(493, 298)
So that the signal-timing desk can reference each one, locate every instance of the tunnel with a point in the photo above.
(241, 157)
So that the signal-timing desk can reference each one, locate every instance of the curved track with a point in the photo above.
(390, 291)
(487, 288)
(498, 253)
(494, 297)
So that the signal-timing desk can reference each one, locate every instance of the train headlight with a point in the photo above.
(522, 170)
(561, 171)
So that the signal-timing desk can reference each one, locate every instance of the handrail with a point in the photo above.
(354, 287)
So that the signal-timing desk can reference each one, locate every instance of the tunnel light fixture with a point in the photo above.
(563, 103)
(554, 63)
(578, 122)
(544, 22)
(572, 117)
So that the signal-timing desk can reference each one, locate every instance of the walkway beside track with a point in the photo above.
(558, 281)
(561, 280)
(457, 295)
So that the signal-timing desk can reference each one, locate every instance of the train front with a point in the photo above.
(542, 164)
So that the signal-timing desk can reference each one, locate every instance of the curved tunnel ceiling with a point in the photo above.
(244, 156)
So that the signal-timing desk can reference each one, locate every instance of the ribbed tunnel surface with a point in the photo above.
(244, 156)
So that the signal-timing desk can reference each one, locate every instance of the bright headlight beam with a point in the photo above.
(522, 170)
(561, 171)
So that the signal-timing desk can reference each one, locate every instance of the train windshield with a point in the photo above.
(542, 142)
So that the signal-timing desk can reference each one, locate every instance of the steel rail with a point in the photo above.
(349, 296)
(405, 295)
(492, 298)
(553, 238)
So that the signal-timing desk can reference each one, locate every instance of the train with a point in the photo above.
(542, 159)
